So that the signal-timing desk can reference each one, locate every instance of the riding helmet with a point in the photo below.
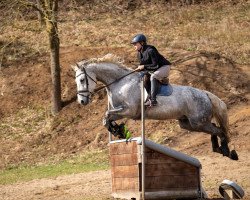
(139, 38)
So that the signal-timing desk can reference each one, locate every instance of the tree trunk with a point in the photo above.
(54, 56)
(55, 72)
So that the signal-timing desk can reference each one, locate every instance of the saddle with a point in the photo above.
(164, 88)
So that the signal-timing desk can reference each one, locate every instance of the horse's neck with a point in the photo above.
(108, 72)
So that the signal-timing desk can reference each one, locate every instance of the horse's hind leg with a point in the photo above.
(216, 131)
(185, 124)
(223, 149)
(215, 143)
(192, 125)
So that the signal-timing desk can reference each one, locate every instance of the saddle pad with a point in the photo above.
(165, 90)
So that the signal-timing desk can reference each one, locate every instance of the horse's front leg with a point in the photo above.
(115, 110)
(115, 113)
(112, 115)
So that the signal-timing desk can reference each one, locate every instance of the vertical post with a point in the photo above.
(110, 135)
(143, 137)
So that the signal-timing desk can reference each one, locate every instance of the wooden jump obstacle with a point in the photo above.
(142, 169)
(169, 174)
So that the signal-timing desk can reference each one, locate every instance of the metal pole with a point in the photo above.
(110, 135)
(143, 137)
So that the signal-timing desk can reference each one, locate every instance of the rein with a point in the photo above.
(105, 86)
(87, 82)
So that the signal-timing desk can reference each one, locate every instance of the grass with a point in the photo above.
(91, 161)
(26, 121)
(217, 27)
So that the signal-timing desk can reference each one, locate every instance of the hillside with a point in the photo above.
(209, 41)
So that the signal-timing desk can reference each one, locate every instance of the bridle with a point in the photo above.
(81, 92)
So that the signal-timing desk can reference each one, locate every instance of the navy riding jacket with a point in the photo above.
(151, 58)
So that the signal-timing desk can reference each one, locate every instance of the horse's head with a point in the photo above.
(86, 83)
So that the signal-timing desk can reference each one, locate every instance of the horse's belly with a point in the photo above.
(160, 112)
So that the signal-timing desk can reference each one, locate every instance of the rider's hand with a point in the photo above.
(139, 68)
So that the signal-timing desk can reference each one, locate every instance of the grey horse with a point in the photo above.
(193, 108)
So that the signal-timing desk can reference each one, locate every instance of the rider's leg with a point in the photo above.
(161, 73)
(154, 88)
(147, 85)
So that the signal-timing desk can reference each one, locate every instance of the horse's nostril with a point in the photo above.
(82, 102)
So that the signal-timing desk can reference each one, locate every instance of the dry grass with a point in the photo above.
(222, 29)
(217, 27)
(26, 122)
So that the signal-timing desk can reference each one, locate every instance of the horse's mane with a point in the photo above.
(111, 58)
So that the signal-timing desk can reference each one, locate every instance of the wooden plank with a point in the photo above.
(172, 190)
(178, 168)
(124, 159)
(156, 157)
(164, 182)
(174, 194)
(139, 150)
(123, 148)
(125, 184)
(131, 171)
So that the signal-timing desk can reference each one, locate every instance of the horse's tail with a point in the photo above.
(220, 113)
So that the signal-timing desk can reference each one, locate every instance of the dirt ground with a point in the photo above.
(92, 185)
(77, 128)
(97, 185)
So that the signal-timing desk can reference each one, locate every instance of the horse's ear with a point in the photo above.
(74, 67)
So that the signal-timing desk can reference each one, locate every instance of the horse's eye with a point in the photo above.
(82, 80)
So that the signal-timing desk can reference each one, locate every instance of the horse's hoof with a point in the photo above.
(234, 155)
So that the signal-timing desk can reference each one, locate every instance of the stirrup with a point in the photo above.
(150, 103)
(147, 99)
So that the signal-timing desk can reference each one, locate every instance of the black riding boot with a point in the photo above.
(154, 88)
(147, 85)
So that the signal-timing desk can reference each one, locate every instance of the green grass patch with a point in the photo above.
(91, 161)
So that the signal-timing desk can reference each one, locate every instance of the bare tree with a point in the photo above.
(51, 10)
(48, 11)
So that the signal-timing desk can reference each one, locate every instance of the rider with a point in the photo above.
(152, 62)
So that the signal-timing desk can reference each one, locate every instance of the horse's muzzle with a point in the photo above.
(84, 102)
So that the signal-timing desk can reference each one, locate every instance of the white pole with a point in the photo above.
(110, 135)
(143, 138)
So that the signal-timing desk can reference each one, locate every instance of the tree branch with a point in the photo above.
(55, 5)
(32, 5)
